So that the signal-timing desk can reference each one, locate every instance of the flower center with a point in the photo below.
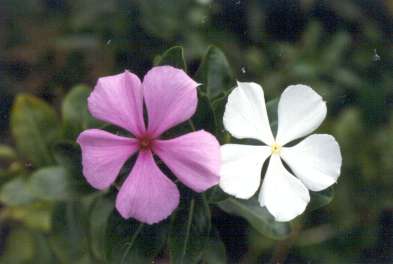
(276, 148)
(145, 143)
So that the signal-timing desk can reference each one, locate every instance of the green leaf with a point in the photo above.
(218, 106)
(68, 238)
(99, 214)
(215, 195)
(174, 57)
(16, 192)
(128, 241)
(76, 116)
(204, 118)
(321, 199)
(190, 229)
(215, 249)
(55, 183)
(258, 217)
(215, 73)
(35, 127)
(272, 112)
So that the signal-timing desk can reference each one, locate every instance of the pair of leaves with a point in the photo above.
(36, 127)
(36, 130)
(214, 72)
(216, 79)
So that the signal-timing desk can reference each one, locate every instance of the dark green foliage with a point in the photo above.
(258, 217)
(215, 74)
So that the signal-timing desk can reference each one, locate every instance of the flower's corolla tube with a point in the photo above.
(315, 161)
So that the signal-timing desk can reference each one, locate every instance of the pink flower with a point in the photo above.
(170, 97)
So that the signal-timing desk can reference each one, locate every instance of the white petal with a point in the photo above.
(316, 161)
(245, 113)
(241, 167)
(300, 111)
(284, 196)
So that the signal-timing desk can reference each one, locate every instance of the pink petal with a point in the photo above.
(103, 155)
(170, 97)
(194, 158)
(147, 194)
(118, 99)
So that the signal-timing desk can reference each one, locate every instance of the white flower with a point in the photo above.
(316, 161)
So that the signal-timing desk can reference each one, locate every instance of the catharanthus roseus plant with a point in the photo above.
(316, 160)
(170, 97)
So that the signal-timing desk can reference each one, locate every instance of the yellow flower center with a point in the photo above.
(276, 148)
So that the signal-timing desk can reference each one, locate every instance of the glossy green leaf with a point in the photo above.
(35, 127)
(218, 106)
(16, 192)
(215, 249)
(215, 73)
(216, 194)
(190, 229)
(76, 116)
(68, 238)
(258, 217)
(321, 199)
(174, 57)
(55, 183)
(129, 241)
(272, 112)
(204, 117)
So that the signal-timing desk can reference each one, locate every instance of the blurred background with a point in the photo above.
(341, 48)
